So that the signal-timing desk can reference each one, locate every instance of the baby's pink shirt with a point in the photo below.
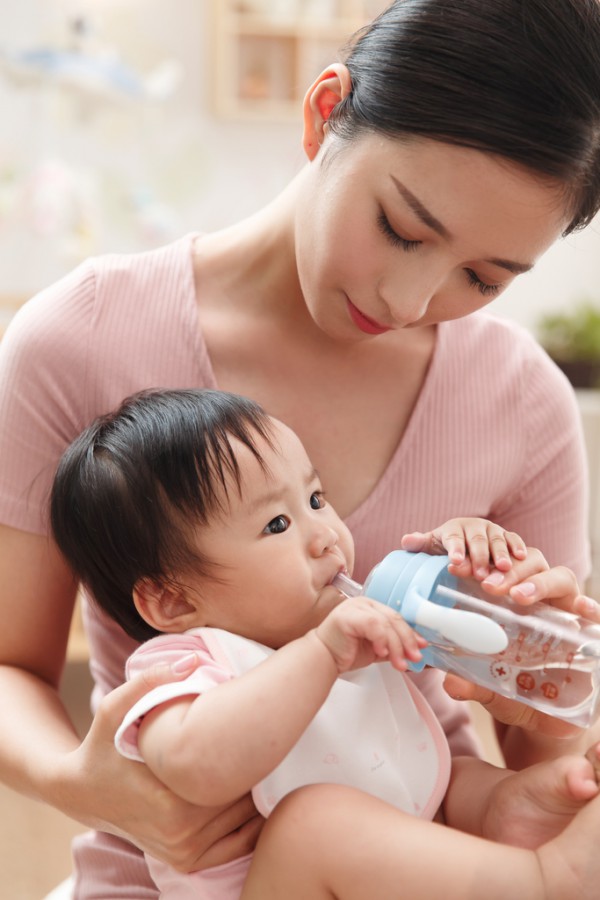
(374, 732)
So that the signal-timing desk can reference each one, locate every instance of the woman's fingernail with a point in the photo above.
(527, 589)
(495, 578)
(186, 664)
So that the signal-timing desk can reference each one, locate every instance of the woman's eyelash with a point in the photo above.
(395, 239)
(485, 289)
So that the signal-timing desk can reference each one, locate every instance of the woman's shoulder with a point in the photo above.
(483, 341)
(150, 270)
(107, 288)
(480, 327)
(501, 363)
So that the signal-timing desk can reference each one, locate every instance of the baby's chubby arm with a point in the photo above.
(214, 747)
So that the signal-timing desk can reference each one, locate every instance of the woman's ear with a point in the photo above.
(332, 85)
(165, 606)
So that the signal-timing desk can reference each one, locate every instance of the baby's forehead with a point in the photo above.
(285, 438)
(277, 452)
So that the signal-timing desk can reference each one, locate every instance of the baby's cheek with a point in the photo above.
(347, 545)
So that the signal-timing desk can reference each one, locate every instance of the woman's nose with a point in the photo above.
(409, 301)
(322, 539)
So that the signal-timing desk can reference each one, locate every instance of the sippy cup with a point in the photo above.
(544, 657)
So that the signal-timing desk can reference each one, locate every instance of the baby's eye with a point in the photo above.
(317, 501)
(277, 525)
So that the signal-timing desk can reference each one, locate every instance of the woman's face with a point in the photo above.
(397, 233)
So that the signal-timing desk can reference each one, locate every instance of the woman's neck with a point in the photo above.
(252, 264)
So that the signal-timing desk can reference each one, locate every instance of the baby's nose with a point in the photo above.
(324, 539)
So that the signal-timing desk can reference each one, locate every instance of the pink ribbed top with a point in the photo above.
(495, 433)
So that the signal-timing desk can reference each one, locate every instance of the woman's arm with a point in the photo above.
(40, 752)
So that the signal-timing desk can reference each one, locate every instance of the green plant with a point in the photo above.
(572, 336)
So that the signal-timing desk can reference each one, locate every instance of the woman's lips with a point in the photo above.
(364, 323)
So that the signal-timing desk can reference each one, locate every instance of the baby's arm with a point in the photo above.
(214, 747)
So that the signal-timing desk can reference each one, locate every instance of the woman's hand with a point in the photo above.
(499, 560)
(531, 579)
(527, 581)
(127, 800)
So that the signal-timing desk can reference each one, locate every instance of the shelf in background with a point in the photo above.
(266, 55)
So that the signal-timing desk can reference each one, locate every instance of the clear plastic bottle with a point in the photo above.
(542, 656)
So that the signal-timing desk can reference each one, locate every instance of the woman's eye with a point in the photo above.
(392, 236)
(277, 525)
(483, 287)
(317, 501)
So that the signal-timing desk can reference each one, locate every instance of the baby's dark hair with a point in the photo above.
(517, 78)
(130, 489)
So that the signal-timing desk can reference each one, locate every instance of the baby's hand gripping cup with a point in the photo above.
(541, 656)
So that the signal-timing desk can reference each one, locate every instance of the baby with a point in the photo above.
(199, 523)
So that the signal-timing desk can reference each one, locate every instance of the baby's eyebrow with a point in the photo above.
(277, 493)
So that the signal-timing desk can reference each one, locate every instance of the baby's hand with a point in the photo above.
(360, 631)
(472, 545)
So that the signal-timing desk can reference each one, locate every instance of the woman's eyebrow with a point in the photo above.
(517, 268)
(421, 211)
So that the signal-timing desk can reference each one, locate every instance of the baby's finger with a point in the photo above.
(404, 642)
(392, 636)
(500, 547)
(515, 544)
(422, 542)
(478, 534)
(449, 538)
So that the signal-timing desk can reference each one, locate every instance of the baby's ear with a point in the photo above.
(164, 606)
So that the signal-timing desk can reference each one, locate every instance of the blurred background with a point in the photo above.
(125, 124)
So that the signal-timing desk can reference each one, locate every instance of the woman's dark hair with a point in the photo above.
(130, 489)
(517, 78)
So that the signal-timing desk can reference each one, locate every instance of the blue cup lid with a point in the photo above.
(389, 582)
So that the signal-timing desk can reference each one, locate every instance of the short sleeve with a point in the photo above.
(166, 649)
(43, 372)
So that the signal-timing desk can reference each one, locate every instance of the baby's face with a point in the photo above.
(276, 549)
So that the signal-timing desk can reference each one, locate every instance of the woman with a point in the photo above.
(447, 154)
